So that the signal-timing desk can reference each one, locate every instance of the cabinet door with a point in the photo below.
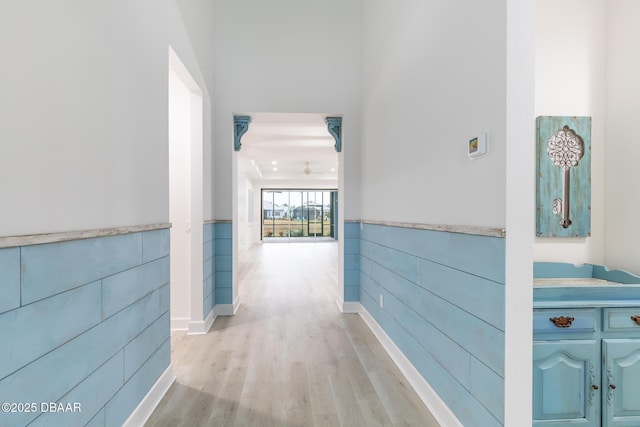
(621, 382)
(566, 383)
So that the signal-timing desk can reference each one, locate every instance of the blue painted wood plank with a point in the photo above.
(480, 255)
(351, 293)
(57, 267)
(561, 269)
(351, 246)
(34, 330)
(207, 304)
(373, 233)
(97, 420)
(92, 393)
(401, 263)
(223, 279)
(9, 279)
(481, 297)
(207, 251)
(549, 180)
(223, 247)
(155, 244)
(223, 263)
(224, 296)
(449, 354)
(122, 289)
(223, 231)
(165, 298)
(466, 407)
(365, 265)
(71, 363)
(145, 344)
(351, 230)
(470, 332)
(351, 262)
(207, 268)
(351, 278)
(488, 388)
(131, 394)
(207, 233)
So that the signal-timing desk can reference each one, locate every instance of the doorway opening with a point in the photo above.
(185, 196)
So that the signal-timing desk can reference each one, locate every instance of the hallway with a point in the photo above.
(288, 357)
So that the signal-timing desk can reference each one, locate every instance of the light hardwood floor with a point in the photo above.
(288, 357)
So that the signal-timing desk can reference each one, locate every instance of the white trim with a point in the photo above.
(349, 307)
(65, 236)
(143, 411)
(201, 327)
(426, 393)
(227, 309)
(179, 323)
(463, 229)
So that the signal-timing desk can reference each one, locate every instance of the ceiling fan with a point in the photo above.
(307, 169)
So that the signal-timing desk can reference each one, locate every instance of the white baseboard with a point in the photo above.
(227, 309)
(143, 411)
(179, 323)
(348, 307)
(441, 412)
(201, 327)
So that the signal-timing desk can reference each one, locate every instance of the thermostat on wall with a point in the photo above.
(479, 146)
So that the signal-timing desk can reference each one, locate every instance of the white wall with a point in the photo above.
(570, 61)
(434, 77)
(286, 57)
(180, 197)
(622, 181)
(84, 114)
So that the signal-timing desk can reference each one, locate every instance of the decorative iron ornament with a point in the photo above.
(565, 148)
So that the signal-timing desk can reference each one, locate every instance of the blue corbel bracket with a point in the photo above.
(240, 127)
(334, 124)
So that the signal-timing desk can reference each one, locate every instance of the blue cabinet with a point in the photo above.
(566, 375)
(621, 382)
(586, 366)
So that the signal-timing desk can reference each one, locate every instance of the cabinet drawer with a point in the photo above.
(584, 320)
(622, 319)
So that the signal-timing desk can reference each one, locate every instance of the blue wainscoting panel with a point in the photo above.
(38, 328)
(122, 289)
(223, 265)
(208, 269)
(9, 279)
(444, 303)
(57, 345)
(352, 261)
(155, 244)
(57, 267)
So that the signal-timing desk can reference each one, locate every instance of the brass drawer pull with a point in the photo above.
(636, 319)
(562, 321)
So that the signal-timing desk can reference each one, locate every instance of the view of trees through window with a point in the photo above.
(298, 213)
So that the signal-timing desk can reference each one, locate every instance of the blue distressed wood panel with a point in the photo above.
(155, 244)
(126, 400)
(208, 269)
(444, 308)
(122, 289)
(101, 386)
(9, 279)
(549, 179)
(138, 350)
(466, 407)
(479, 255)
(59, 349)
(57, 267)
(35, 329)
(223, 264)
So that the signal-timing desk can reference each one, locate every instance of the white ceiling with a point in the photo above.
(291, 141)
